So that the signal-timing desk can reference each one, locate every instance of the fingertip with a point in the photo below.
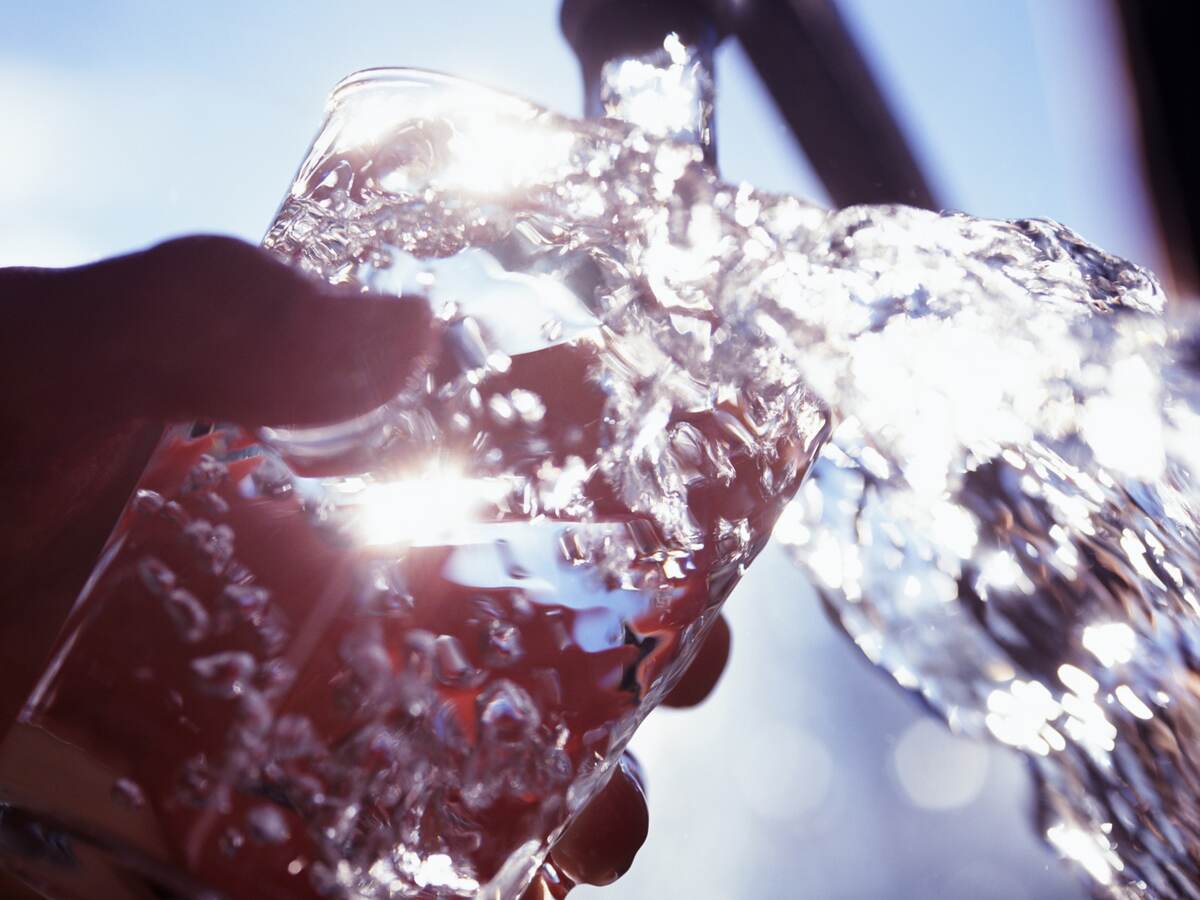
(705, 670)
(229, 331)
(602, 842)
(351, 354)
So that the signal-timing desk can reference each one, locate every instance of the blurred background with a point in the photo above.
(808, 774)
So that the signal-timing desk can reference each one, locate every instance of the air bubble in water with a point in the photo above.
(507, 714)
(450, 663)
(503, 643)
(187, 614)
(266, 825)
(128, 793)
(158, 579)
(224, 674)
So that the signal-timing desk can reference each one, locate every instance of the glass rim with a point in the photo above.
(382, 76)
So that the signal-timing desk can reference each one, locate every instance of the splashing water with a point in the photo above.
(1004, 518)
(637, 366)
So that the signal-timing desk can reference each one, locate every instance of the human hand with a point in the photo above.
(96, 358)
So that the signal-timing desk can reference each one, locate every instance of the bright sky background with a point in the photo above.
(128, 121)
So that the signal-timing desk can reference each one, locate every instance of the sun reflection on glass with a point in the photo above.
(428, 508)
(1092, 851)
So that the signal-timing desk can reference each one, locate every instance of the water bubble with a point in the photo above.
(158, 579)
(386, 594)
(147, 503)
(243, 601)
(501, 410)
(274, 677)
(572, 547)
(187, 615)
(507, 714)
(206, 474)
(527, 405)
(211, 543)
(294, 737)
(197, 784)
(128, 793)
(450, 664)
(368, 660)
(503, 643)
(271, 477)
(216, 504)
(465, 343)
(224, 674)
(253, 718)
(174, 513)
(266, 825)
(272, 632)
(645, 540)
(231, 841)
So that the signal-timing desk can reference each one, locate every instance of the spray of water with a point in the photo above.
(1004, 518)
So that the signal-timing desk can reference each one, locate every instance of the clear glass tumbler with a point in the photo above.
(393, 656)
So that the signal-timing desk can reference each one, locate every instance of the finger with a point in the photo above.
(706, 669)
(215, 327)
(600, 845)
(549, 884)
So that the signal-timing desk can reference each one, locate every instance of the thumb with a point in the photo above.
(206, 326)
